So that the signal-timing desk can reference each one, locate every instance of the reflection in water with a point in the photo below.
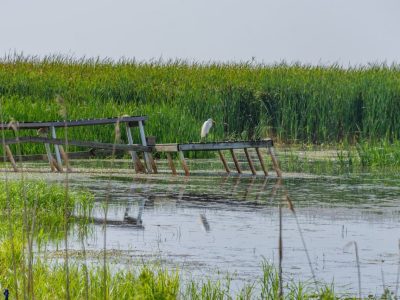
(205, 223)
(138, 220)
(240, 226)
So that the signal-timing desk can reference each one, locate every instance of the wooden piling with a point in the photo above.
(274, 161)
(64, 156)
(56, 147)
(153, 164)
(235, 161)
(253, 170)
(49, 157)
(171, 163)
(11, 158)
(137, 164)
(261, 161)
(56, 165)
(183, 162)
(144, 143)
(221, 156)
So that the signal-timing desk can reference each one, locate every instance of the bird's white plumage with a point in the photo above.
(206, 127)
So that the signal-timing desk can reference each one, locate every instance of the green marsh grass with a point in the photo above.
(291, 103)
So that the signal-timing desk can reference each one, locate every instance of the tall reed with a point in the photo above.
(293, 103)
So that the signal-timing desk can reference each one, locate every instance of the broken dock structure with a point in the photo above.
(47, 135)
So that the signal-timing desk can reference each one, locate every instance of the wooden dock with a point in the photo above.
(147, 146)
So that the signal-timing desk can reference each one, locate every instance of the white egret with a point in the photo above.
(206, 127)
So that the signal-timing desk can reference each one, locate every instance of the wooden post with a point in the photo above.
(64, 156)
(11, 158)
(56, 165)
(139, 168)
(171, 163)
(235, 161)
(274, 161)
(153, 163)
(261, 161)
(253, 170)
(49, 156)
(144, 143)
(58, 156)
(183, 162)
(221, 156)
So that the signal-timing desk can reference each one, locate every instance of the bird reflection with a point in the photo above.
(204, 222)
(132, 220)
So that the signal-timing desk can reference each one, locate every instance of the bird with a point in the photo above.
(206, 127)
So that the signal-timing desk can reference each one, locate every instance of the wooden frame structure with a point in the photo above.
(220, 146)
(48, 136)
(49, 127)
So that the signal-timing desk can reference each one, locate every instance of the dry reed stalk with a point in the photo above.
(117, 137)
(398, 273)
(9, 213)
(280, 245)
(358, 265)
(25, 232)
(291, 207)
(63, 114)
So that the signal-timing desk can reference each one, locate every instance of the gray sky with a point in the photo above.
(308, 31)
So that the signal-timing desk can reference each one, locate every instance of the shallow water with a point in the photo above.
(211, 225)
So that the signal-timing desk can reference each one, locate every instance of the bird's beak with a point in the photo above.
(214, 122)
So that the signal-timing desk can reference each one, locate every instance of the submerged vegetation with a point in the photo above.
(291, 103)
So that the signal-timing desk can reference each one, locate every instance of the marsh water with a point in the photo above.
(210, 225)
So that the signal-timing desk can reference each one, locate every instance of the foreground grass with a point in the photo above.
(292, 103)
(39, 213)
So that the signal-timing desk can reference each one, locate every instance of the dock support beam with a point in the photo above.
(137, 164)
(58, 156)
(253, 170)
(275, 161)
(261, 162)
(50, 157)
(221, 156)
(11, 158)
(148, 157)
(64, 156)
(171, 163)
(183, 162)
(235, 161)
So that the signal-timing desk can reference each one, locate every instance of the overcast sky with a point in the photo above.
(307, 31)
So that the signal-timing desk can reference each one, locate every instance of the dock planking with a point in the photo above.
(132, 120)
(215, 146)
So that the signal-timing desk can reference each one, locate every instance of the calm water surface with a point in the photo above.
(211, 225)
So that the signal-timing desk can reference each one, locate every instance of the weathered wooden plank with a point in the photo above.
(253, 170)
(56, 165)
(49, 156)
(139, 168)
(224, 145)
(221, 156)
(183, 162)
(98, 145)
(11, 158)
(166, 147)
(144, 143)
(57, 150)
(235, 161)
(70, 123)
(261, 162)
(275, 162)
(171, 163)
(64, 156)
